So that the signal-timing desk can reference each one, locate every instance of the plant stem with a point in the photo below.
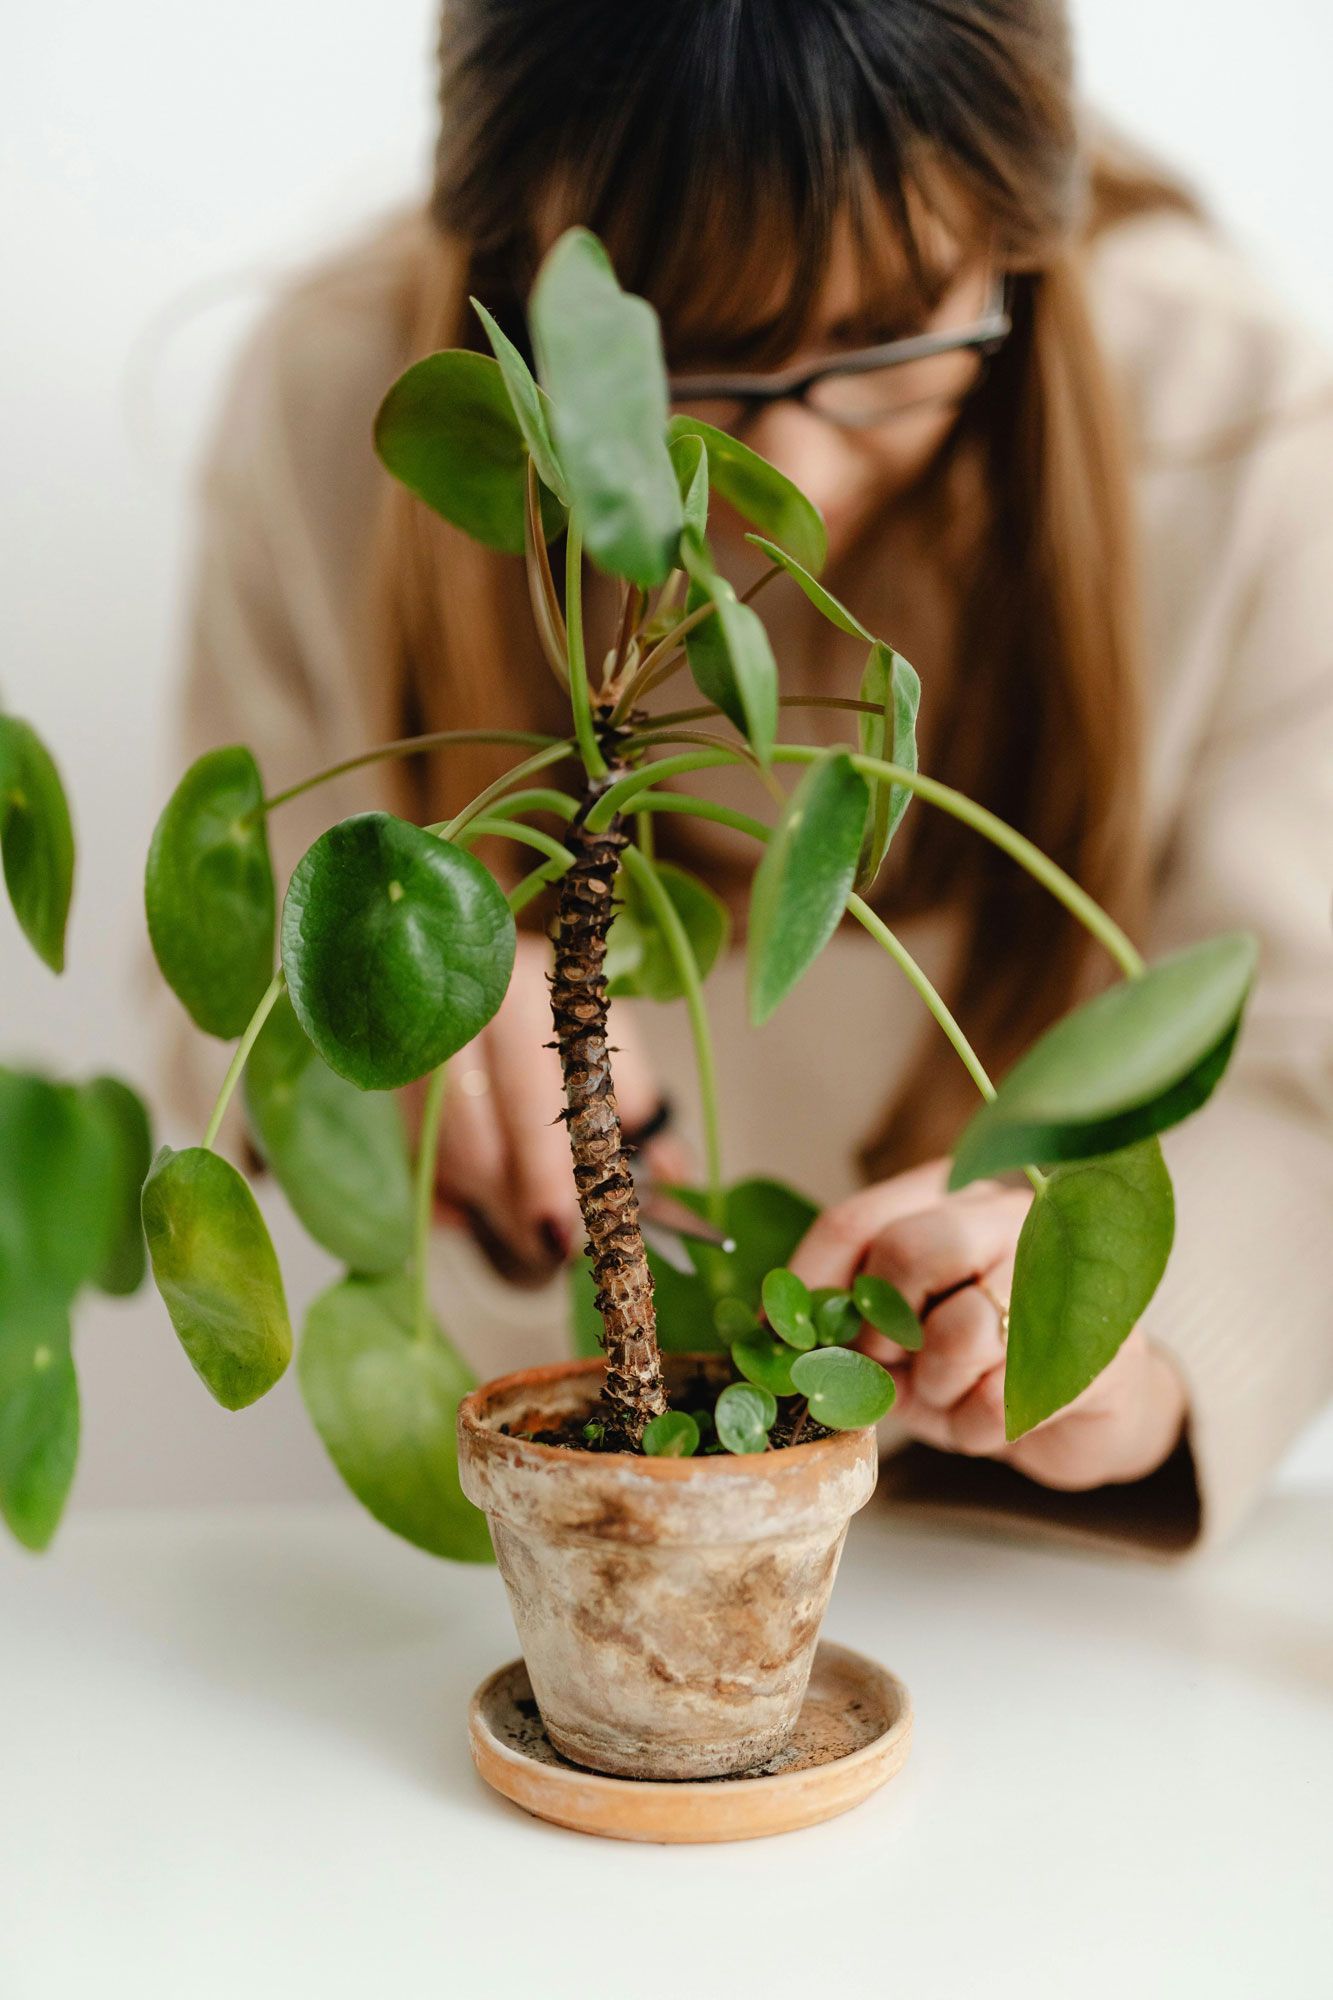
(678, 944)
(505, 829)
(554, 753)
(541, 584)
(580, 698)
(537, 798)
(408, 746)
(532, 885)
(937, 1005)
(241, 1056)
(620, 796)
(635, 1392)
(428, 1146)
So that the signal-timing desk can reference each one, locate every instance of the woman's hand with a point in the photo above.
(504, 1164)
(952, 1256)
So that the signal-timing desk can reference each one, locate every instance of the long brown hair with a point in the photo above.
(698, 127)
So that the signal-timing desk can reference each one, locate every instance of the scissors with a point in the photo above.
(669, 1226)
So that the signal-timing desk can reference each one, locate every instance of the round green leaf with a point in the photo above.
(743, 1414)
(639, 963)
(600, 356)
(804, 878)
(764, 1360)
(672, 1435)
(1125, 1065)
(825, 603)
(846, 1390)
(338, 1153)
(217, 1272)
(447, 430)
(60, 1187)
(894, 687)
(385, 1403)
(529, 403)
(788, 1308)
(130, 1142)
(761, 494)
(397, 949)
(36, 840)
(883, 1306)
(1091, 1254)
(39, 1414)
(729, 654)
(209, 893)
(837, 1322)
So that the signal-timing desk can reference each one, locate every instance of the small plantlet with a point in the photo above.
(394, 948)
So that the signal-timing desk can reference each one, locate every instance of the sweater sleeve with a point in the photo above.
(1246, 1307)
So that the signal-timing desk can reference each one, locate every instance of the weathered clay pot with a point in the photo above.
(668, 1608)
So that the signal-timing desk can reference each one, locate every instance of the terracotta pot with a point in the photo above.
(668, 1608)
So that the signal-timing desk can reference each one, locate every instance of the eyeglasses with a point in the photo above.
(865, 387)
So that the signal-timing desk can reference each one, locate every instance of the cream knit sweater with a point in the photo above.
(1237, 540)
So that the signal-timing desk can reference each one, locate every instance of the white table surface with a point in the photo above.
(233, 1766)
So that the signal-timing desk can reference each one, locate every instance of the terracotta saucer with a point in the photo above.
(854, 1733)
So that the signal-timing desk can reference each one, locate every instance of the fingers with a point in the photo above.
(836, 1245)
(934, 1250)
(964, 1341)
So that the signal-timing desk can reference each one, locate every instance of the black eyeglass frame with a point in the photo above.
(985, 336)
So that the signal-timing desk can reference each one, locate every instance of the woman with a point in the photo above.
(1107, 552)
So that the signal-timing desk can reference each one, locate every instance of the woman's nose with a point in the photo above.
(822, 460)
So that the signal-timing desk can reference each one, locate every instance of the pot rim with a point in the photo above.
(481, 1436)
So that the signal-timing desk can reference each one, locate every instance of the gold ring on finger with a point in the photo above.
(1001, 1309)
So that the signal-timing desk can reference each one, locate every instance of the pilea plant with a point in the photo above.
(72, 1161)
(395, 945)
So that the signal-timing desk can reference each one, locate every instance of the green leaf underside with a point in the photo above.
(883, 1306)
(529, 403)
(120, 1271)
(729, 654)
(689, 455)
(218, 1274)
(846, 1390)
(895, 688)
(1090, 1256)
(674, 1434)
(599, 354)
(638, 959)
(62, 1188)
(766, 1220)
(803, 879)
(209, 894)
(1129, 1063)
(825, 603)
(447, 431)
(385, 1405)
(743, 1413)
(36, 840)
(397, 948)
(766, 1361)
(338, 1153)
(760, 494)
(39, 1414)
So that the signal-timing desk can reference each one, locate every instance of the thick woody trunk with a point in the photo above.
(634, 1388)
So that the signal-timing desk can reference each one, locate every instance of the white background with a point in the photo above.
(162, 165)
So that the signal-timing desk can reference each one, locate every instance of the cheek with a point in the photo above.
(850, 475)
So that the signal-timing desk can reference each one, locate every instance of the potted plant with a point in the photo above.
(72, 1161)
(668, 1523)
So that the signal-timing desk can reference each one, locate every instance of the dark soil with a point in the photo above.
(697, 1395)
